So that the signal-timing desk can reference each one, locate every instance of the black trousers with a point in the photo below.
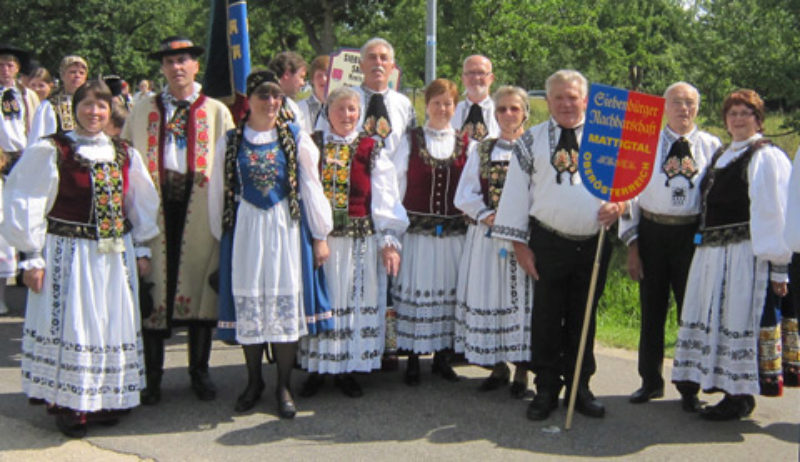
(666, 252)
(559, 303)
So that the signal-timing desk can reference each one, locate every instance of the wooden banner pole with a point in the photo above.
(573, 391)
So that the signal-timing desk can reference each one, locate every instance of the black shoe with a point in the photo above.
(389, 363)
(412, 377)
(447, 372)
(441, 366)
(586, 404)
(689, 402)
(248, 399)
(312, 385)
(496, 380)
(347, 383)
(645, 394)
(518, 389)
(203, 387)
(286, 407)
(541, 406)
(729, 408)
(150, 396)
(36, 401)
(71, 425)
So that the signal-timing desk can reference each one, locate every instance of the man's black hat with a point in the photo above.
(176, 45)
(23, 56)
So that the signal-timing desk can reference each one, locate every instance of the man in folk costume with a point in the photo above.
(176, 131)
(660, 229)
(554, 223)
(475, 114)
(387, 116)
(18, 107)
(291, 71)
(55, 114)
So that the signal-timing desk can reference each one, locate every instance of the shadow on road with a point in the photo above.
(436, 412)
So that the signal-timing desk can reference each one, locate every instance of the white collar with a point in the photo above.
(485, 103)
(331, 137)
(434, 133)
(736, 145)
(169, 99)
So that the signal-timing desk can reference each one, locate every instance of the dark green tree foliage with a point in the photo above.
(718, 45)
(114, 36)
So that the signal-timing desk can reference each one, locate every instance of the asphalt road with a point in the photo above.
(435, 421)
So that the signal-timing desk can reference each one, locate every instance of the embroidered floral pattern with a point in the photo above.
(201, 148)
(494, 172)
(686, 167)
(336, 175)
(565, 161)
(107, 181)
(289, 147)
(152, 144)
(183, 305)
(475, 130)
(262, 168)
(377, 126)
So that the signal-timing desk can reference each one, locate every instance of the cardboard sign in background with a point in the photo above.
(345, 69)
(620, 141)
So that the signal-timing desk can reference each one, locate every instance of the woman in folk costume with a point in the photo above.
(429, 162)
(493, 316)
(360, 183)
(740, 255)
(76, 204)
(790, 307)
(255, 209)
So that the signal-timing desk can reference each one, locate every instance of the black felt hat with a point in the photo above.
(23, 56)
(176, 45)
(114, 83)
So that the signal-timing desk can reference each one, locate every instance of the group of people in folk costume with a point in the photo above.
(293, 230)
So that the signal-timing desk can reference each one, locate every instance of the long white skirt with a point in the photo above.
(82, 343)
(495, 299)
(717, 341)
(267, 275)
(356, 291)
(425, 292)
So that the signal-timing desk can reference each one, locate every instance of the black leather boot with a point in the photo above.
(154, 367)
(199, 354)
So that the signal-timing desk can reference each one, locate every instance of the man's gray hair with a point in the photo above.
(567, 76)
(373, 42)
(464, 64)
(683, 84)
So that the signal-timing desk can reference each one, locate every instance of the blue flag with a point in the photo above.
(228, 56)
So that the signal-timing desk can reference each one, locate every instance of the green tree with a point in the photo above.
(115, 36)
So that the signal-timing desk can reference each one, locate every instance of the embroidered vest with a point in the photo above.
(73, 213)
(432, 186)
(345, 171)
(263, 175)
(726, 200)
(62, 107)
(492, 174)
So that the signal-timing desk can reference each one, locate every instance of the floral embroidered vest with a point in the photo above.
(263, 175)
(345, 171)
(77, 202)
(431, 187)
(492, 174)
